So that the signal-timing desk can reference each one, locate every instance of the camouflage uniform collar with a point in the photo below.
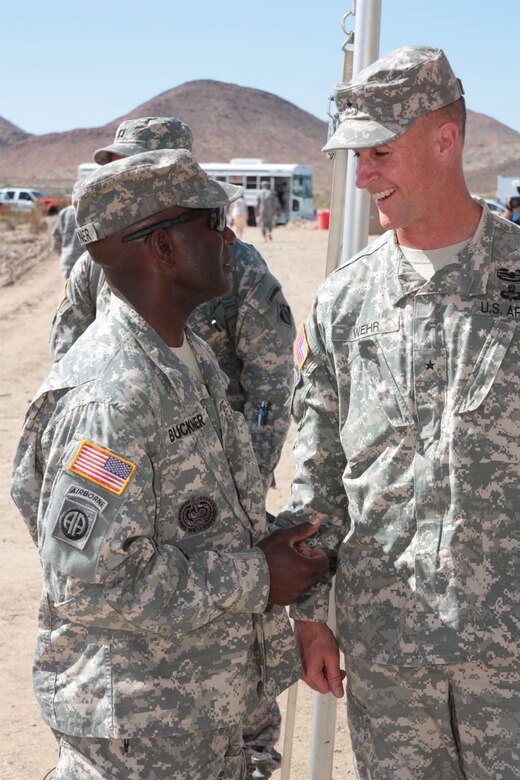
(158, 351)
(472, 275)
(475, 259)
(401, 279)
(215, 379)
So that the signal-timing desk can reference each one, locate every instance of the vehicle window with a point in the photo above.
(9, 195)
(302, 186)
(25, 196)
(251, 183)
(37, 194)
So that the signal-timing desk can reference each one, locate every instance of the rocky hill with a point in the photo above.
(9, 133)
(233, 121)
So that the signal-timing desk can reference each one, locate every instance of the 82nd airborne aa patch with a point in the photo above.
(75, 523)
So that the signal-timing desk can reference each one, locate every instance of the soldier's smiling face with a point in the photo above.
(398, 176)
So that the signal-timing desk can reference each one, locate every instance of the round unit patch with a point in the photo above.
(197, 514)
(74, 524)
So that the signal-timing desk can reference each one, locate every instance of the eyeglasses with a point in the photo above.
(217, 221)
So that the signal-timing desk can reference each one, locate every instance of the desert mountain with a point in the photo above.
(9, 133)
(233, 121)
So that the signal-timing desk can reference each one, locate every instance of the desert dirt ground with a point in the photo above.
(29, 287)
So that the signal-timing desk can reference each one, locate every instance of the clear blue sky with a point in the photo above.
(69, 65)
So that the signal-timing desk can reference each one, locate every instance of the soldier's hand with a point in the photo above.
(320, 657)
(293, 566)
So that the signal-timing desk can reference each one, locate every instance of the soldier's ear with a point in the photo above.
(448, 135)
(161, 246)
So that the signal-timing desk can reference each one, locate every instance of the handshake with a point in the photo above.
(294, 566)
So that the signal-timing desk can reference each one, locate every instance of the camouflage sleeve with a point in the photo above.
(77, 309)
(317, 488)
(56, 235)
(106, 560)
(264, 342)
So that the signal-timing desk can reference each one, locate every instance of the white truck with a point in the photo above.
(26, 199)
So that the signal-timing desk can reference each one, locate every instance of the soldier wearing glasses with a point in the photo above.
(251, 331)
(158, 628)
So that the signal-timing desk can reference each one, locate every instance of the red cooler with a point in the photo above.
(323, 219)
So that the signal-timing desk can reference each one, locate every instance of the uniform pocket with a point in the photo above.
(383, 384)
(360, 734)
(487, 366)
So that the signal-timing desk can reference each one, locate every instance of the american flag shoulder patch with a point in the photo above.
(63, 297)
(301, 347)
(102, 467)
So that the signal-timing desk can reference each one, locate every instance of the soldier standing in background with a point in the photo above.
(407, 445)
(251, 331)
(65, 242)
(267, 209)
(157, 627)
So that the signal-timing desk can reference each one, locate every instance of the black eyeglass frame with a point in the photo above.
(214, 224)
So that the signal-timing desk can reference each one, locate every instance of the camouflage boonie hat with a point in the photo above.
(383, 100)
(126, 191)
(145, 134)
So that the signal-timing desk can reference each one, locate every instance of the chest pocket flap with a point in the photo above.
(371, 346)
(488, 363)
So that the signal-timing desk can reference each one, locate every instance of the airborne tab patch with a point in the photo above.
(102, 467)
(301, 347)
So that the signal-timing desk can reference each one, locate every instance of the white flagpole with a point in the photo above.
(357, 202)
(355, 235)
(288, 734)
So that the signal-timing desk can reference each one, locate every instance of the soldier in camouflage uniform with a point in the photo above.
(158, 628)
(407, 445)
(65, 242)
(267, 208)
(251, 330)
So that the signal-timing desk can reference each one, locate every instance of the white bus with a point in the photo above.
(85, 168)
(292, 183)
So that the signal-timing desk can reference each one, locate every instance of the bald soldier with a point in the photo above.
(159, 626)
(407, 445)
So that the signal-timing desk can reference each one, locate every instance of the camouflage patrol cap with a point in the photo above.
(383, 100)
(126, 191)
(145, 134)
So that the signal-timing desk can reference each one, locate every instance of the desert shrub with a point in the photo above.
(10, 219)
(322, 200)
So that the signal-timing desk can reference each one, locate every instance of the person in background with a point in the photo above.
(267, 209)
(158, 627)
(65, 242)
(512, 210)
(238, 213)
(407, 445)
(251, 331)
